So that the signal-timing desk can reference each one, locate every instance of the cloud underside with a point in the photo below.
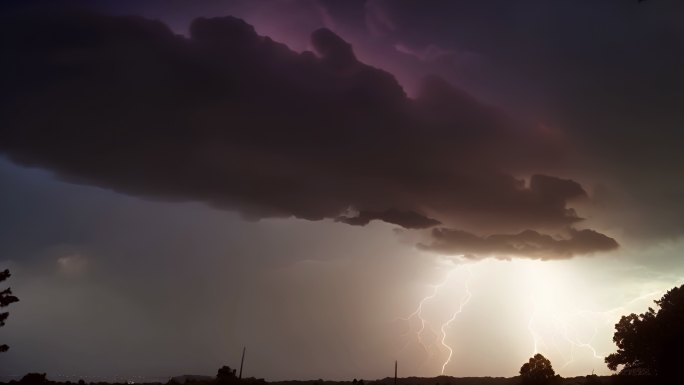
(241, 122)
(529, 244)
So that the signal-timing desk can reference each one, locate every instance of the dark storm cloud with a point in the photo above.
(608, 73)
(407, 219)
(529, 244)
(241, 122)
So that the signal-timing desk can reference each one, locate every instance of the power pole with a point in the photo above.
(395, 372)
(242, 362)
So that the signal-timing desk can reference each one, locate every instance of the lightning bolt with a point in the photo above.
(566, 331)
(464, 301)
(435, 291)
(563, 329)
(418, 313)
(570, 333)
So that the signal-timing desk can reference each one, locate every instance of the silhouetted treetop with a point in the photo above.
(651, 342)
(34, 379)
(226, 375)
(537, 371)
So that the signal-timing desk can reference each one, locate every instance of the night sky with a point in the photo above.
(336, 185)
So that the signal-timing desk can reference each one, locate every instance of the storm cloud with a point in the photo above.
(241, 122)
(547, 132)
(529, 243)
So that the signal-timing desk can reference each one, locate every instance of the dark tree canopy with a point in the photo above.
(652, 342)
(6, 298)
(226, 375)
(34, 379)
(537, 371)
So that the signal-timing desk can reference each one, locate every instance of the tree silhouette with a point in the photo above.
(34, 379)
(652, 342)
(6, 298)
(226, 375)
(537, 371)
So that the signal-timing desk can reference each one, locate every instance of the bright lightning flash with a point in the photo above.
(555, 304)
(560, 326)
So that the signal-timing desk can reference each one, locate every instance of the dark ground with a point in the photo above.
(440, 380)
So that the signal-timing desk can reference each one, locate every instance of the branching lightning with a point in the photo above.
(418, 313)
(565, 328)
(551, 303)
(425, 325)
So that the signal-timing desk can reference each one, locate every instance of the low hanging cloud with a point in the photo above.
(406, 219)
(241, 122)
(528, 243)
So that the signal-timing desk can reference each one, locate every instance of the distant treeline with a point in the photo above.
(42, 379)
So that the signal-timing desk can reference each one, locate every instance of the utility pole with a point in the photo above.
(242, 362)
(395, 372)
